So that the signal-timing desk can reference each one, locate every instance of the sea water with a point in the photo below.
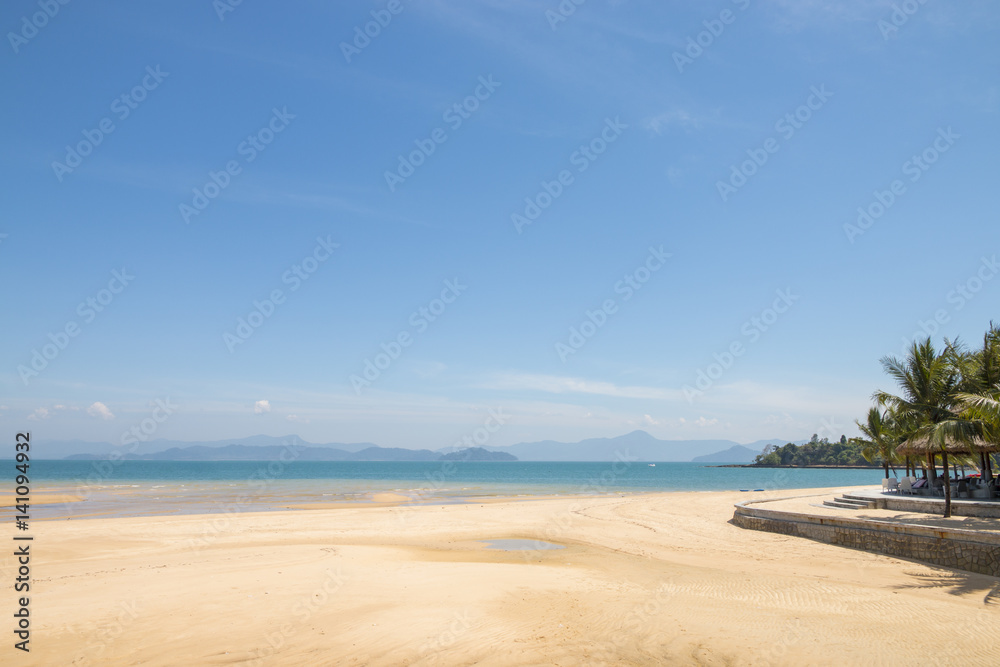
(118, 488)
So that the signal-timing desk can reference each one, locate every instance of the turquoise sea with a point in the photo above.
(174, 487)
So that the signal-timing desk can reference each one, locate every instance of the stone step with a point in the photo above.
(855, 501)
(842, 505)
(867, 502)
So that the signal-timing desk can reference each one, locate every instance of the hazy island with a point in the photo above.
(477, 454)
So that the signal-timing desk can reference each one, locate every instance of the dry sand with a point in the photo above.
(653, 579)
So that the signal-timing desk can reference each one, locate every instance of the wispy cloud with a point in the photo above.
(793, 15)
(594, 51)
(749, 395)
(676, 118)
(271, 189)
(554, 384)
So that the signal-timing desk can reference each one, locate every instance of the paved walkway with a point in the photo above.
(814, 505)
(878, 493)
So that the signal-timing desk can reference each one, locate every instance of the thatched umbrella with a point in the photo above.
(922, 446)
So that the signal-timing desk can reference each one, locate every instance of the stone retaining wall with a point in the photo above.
(960, 549)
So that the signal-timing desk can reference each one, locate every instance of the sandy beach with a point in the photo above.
(642, 579)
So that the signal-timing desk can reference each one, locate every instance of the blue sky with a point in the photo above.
(615, 122)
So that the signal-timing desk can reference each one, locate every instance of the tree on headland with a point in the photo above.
(881, 438)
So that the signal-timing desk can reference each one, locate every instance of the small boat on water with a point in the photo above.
(652, 465)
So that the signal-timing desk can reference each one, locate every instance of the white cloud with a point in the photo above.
(553, 384)
(783, 418)
(39, 414)
(261, 407)
(297, 419)
(703, 422)
(649, 420)
(98, 409)
(428, 369)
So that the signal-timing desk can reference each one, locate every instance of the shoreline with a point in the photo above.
(764, 466)
(113, 491)
(160, 500)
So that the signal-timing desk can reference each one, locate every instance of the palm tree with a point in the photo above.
(929, 385)
(980, 396)
(981, 369)
(880, 438)
(985, 409)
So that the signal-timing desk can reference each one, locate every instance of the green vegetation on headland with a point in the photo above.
(817, 452)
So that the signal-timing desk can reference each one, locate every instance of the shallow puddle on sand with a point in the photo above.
(520, 545)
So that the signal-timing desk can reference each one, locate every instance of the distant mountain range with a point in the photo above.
(58, 449)
(634, 446)
(637, 445)
(299, 452)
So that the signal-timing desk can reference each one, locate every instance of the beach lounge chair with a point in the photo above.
(906, 486)
(890, 485)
